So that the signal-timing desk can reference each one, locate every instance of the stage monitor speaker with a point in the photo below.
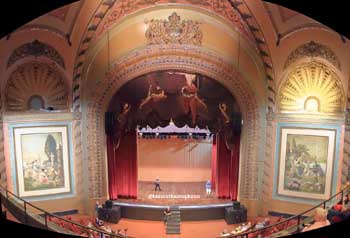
(233, 216)
(236, 205)
(109, 204)
(110, 215)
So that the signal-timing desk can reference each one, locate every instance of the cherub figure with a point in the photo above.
(122, 120)
(191, 100)
(155, 94)
(223, 110)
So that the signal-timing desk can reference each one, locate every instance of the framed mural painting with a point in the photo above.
(42, 160)
(306, 162)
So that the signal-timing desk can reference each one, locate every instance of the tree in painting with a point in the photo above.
(42, 161)
(306, 163)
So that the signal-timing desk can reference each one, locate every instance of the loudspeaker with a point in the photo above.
(109, 204)
(233, 216)
(110, 215)
(236, 205)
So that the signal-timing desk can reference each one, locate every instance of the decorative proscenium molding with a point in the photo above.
(36, 49)
(174, 31)
(176, 57)
(313, 49)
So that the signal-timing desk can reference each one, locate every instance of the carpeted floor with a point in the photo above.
(193, 229)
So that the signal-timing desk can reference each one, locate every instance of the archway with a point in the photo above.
(175, 101)
(179, 58)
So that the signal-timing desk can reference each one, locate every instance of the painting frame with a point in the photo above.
(290, 183)
(28, 139)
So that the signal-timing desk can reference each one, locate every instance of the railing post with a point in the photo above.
(25, 213)
(1, 205)
(298, 226)
(324, 205)
(342, 194)
(46, 220)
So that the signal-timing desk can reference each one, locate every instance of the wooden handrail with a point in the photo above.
(298, 216)
(46, 214)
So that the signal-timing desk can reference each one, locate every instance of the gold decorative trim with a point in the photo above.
(174, 31)
(312, 80)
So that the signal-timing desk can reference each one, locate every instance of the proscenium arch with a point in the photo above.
(173, 57)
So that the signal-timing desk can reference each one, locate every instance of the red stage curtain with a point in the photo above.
(122, 167)
(227, 168)
(234, 168)
(213, 164)
(112, 167)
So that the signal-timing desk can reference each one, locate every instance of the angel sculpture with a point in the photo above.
(155, 94)
(122, 120)
(191, 100)
(223, 110)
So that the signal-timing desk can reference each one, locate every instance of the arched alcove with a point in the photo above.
(35, 79)
(312, 81)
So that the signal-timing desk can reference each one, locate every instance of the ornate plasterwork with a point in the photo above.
(313, 49)
(308, 81)
(222, 7)
(175, 57)
(36, 49)
(174, 31)
(35, 79)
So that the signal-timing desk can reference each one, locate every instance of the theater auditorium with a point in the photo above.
(175, 118)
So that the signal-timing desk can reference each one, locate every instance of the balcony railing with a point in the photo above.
(29, 214)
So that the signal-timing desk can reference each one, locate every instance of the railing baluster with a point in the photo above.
(342, 194)
(1, 205)
(298, 225)
(25, 212)
(46, 220)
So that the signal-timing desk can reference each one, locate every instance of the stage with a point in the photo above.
(174, 193)
(189, 197)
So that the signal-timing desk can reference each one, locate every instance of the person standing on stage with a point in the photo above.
(208, 187)
(157, 184)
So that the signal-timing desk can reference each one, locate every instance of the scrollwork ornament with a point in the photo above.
(174, 31)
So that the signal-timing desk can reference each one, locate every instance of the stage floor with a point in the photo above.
(174, 193)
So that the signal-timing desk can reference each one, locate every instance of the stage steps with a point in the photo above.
(173, 224)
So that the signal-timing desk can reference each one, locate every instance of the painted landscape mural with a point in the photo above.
(42, 161)
(306, 163)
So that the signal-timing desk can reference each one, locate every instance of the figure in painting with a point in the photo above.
(120, 124)
(223, 110)
(155, 94)
(191, 101)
